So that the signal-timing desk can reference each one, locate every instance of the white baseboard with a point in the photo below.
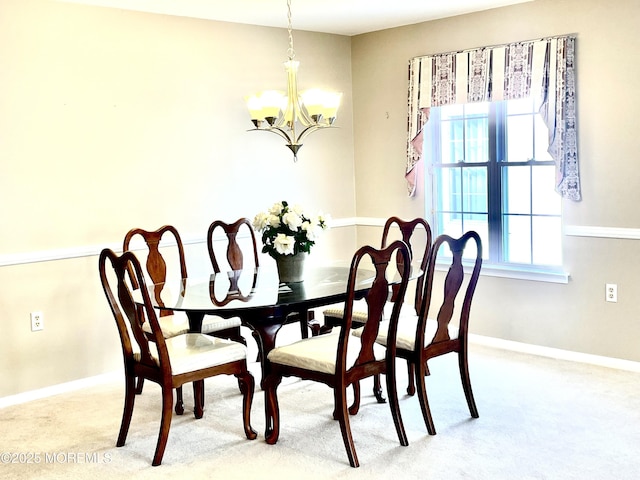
(58, 389)
(556, 353)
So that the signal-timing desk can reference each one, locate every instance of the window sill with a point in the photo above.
(517, 273)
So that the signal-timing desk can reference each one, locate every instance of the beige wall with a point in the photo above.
(112, 119)
(574, 316)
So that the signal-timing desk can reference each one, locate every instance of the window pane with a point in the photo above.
(452, 141)
(479, 223)
(448, 187)
(545, 200)
(541, 140)
(519, 138)
(516, 190)
(474, 189)
(450, 224)
(547, 233)
(477, 141)
(517, 239)
(455, 228)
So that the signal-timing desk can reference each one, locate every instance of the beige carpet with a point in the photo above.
(540, 418)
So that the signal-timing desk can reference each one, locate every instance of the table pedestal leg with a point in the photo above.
(195, 321)
(265, 336)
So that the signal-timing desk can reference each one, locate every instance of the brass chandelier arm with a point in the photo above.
(292, 140)
(312, 129)
(292, 143)
(277, 130)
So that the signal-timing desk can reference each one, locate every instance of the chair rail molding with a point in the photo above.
(602, 232)
(36, 256)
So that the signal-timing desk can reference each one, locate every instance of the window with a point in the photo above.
(489, 171)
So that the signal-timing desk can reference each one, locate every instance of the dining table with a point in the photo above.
(258, 298)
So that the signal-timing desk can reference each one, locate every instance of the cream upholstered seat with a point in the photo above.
(338, 313)
(359, 314)
(319, 353)
(195, 351)
(340, 359)
(169, 362)
(407, 326)
(212, 324)
(178, 324)
(171, 326)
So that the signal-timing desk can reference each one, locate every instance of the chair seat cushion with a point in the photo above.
(196, 351)
(178, 324)
(171, 325)
(407, 325)
(212, 323)
(319, 353)
(359, 314)
(338, 314)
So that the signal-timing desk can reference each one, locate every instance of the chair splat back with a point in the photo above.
(407, 231)
(234, 254)
(375, 300)
(155, 264)
(376, 296)
(127, 314)
(453, 284)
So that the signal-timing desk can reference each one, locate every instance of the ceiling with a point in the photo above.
(342, 17)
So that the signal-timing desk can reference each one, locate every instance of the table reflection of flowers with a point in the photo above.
(287, 232)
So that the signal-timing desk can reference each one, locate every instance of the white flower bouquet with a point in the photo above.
(288, 230)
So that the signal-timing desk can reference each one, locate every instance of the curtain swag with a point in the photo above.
(543, 69)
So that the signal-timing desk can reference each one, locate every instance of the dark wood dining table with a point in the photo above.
(258, 298)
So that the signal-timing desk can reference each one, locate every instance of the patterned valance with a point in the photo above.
(542, 69)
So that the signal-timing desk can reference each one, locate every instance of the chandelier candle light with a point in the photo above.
(293, 116)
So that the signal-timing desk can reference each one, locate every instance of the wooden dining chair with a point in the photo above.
(167, 238)
(424, 337)
(169, 362)
(341, 359)
(416, 234)
(229, 248)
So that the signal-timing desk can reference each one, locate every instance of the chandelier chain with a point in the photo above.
(290, 51)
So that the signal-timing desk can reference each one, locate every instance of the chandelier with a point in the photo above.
(290, 115)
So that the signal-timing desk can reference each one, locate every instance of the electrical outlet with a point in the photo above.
(37, 321)
(611, 292)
